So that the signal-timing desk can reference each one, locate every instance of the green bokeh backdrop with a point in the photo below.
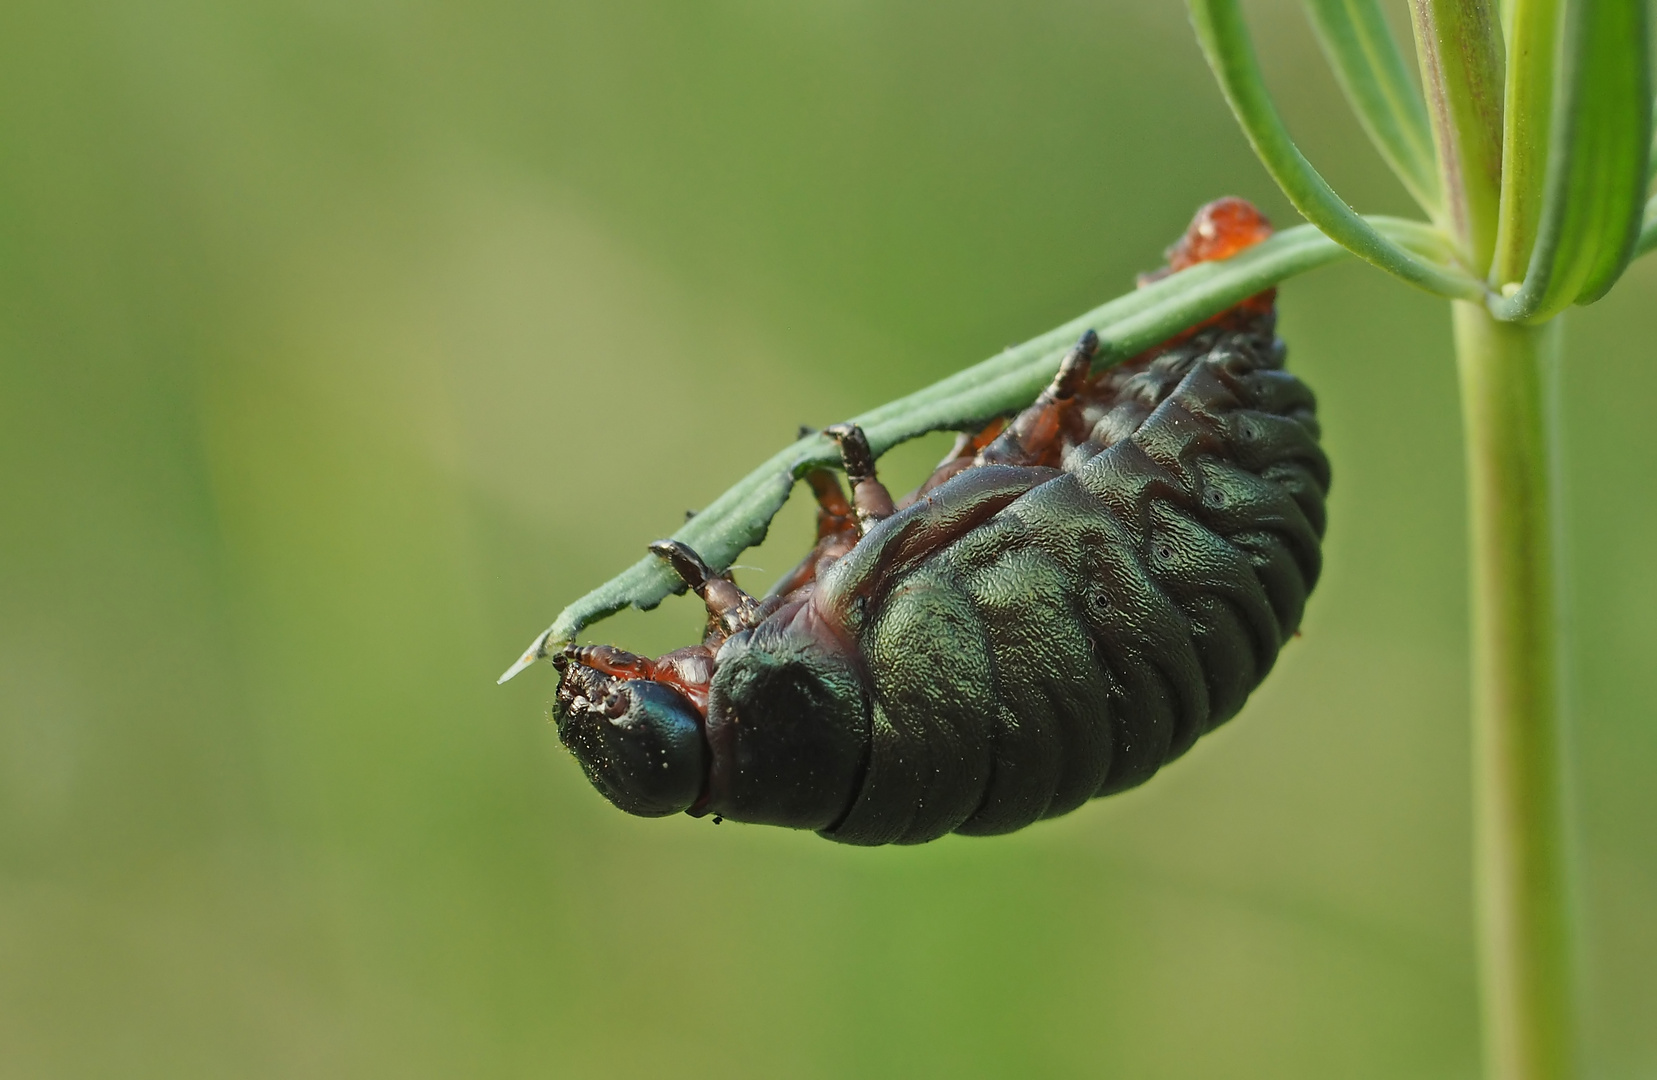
(342, 342)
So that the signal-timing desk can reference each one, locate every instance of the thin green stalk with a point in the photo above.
(1225, 42)
(1522, 866)
(1366, 60)
(739, 518)
(1459, 45)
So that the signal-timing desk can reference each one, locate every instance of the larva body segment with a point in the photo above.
(1060, 611)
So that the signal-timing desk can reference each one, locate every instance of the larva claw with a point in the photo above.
(684, 561)
(869, 496)
(731, 608)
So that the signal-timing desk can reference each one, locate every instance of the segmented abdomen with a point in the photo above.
(1093, 621)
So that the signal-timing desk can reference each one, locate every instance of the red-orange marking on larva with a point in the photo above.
(1220, 230)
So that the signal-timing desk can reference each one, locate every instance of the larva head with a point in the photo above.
(639, 742)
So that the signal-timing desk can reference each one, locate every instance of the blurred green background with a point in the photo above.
(343, 342)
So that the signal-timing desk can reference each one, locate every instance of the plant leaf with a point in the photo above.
(1598, 149)
(1651, 162)
(1648, 229)
(1127, 325)
(1225, 42)
(1527, 115)
(1459, 46)
(1367, 62)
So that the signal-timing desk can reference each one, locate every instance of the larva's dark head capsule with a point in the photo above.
(639, 742)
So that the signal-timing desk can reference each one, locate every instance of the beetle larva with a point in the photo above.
(1062, 608)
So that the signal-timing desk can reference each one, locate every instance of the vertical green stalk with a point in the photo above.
(1520, 831)
(1459, 44)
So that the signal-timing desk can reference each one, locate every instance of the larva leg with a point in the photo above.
(961, 457)
(834, 513)
(1036, 435)
(609, 660)
(837, 532)
(729, 608)
(869, 496)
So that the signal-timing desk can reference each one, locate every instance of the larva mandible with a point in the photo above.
(1062, 608)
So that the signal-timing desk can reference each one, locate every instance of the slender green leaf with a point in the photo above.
(1598, 148)
(1533, 47)
(1651, 161)
(1459, 46)
(1648, 229)
(1226, 43)
(1370, 67)
(1127, 325)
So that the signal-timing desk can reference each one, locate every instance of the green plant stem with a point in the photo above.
(1520, 833)
(1006, 382)
(1459, 44)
